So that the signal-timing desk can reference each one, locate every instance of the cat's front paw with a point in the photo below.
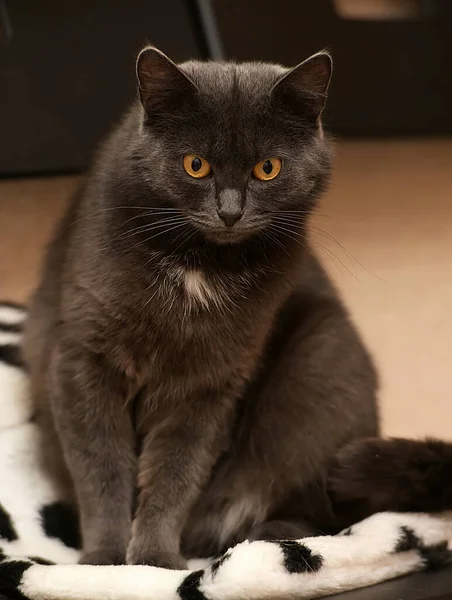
(155, 558)
(102, 556)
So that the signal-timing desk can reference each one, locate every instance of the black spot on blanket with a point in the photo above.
(433, 557)
(60, 521)
(10, 355)
(347, 531)
(298, 558)
(436, 556)
(41, 561)
(11, 572)
(11, 327)
(7, 531)
(408, 540)
(214, 567)
(189, 588)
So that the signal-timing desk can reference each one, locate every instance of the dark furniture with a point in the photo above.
(67, 68)
(390, 76)
(67, 73)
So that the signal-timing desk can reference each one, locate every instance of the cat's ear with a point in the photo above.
(304, 88)
(161, 84)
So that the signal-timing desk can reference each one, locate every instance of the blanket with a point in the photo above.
(39, 538)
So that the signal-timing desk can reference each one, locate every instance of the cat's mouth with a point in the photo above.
(230, 235)
(226, 235)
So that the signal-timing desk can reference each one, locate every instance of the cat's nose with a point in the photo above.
(230, 207)
(230, 217)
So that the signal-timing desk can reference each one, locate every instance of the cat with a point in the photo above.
(184, 337)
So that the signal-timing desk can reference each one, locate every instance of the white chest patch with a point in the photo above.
(198, 289)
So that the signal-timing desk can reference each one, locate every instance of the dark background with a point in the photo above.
(67, 68)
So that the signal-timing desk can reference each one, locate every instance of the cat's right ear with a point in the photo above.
(161, 84)
(303, 89)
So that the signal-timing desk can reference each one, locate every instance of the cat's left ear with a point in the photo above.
(162, 86)
(304, 88)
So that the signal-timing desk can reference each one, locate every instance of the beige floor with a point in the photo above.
(390, 210)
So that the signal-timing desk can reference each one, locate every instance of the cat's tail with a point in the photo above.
(374, 475)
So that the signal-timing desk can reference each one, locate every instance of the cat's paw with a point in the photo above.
(102, 556)
(153, 558)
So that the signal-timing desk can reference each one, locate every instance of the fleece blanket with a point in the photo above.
(39, 541)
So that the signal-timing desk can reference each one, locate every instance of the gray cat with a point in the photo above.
(184, 337)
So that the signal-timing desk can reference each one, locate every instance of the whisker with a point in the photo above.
(159, 233)
(351, 256)
(324, 234)
(289, 233)
(130, 207)
(276, 241)
(348, 254)
(150, 227)
(289, 220)
(329, 252)
(308, 213)
(184, 239)
(335, 258)
(148, 214)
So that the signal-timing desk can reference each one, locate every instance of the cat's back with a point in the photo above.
(44, 307)
(72, 243)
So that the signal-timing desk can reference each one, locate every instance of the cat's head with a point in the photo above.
(238, 148)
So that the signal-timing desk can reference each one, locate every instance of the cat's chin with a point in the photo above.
(224, 237)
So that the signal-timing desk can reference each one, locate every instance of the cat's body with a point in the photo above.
(220, 355)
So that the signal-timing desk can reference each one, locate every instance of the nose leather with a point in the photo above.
(230, 207)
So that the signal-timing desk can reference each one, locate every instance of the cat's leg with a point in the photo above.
(315, 392)
(181, 446)
(50, 454)
(38, 331)
(88, 401)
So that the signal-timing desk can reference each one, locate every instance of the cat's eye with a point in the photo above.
(267, 169)
(196, 166)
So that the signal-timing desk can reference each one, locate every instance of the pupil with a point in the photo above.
(267, 167)
(196, 164)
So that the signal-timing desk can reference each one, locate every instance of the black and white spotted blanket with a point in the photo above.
(37, 530)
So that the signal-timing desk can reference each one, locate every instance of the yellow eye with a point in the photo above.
(267, 169)
(196, 166)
